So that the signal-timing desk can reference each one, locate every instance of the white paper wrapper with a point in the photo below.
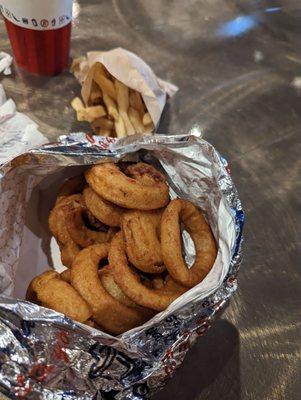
(134, 73)
(18, 133)
(79, 362)
(5, 63)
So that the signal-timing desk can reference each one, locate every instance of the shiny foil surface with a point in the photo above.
(44, 355)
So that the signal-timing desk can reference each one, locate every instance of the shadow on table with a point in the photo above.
(164, 120)
(32, 80)
(211, 369)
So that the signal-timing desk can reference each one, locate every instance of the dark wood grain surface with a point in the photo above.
(238, 66)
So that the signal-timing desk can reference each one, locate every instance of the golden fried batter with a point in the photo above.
(108, 312)
(147, 191)
(130, 283)
(106, 212)
(60, 296)
(171, 242)
(141, 234)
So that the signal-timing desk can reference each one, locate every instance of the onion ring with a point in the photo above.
(157, 282)
(171, 285)
(66, 275)
(92, 222)
(68, 252)
(144, 173)
(76, 227)
(108, 282)
(70, 186)
(111, 233)
(58, 228)
(55, 293)
(56, 220)
(108, 213)
(140, 232)
(167, 284)
(31, 295)
(129, 281)
(147, 192)
(90, 323)
(109, 313)
(171, 242)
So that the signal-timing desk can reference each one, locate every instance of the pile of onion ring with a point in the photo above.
(121, 241)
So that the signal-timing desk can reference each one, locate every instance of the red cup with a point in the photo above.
(39, 32)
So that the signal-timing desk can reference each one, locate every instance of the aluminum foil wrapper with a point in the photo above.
(43, 354)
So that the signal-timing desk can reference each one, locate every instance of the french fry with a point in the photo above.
(102, 123)
(77, 104)
(147, 119)
(137, 103)
(103, 82)
(90, 113)
(80, 68)
(136, 120)
(130, 130)
(122, 93)
(119, 127)
(76, 63)
(111, 106)
(95, 130)
(103, 132)
(81, 115)
(149, 128)
(95, 95)
(87, 84)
